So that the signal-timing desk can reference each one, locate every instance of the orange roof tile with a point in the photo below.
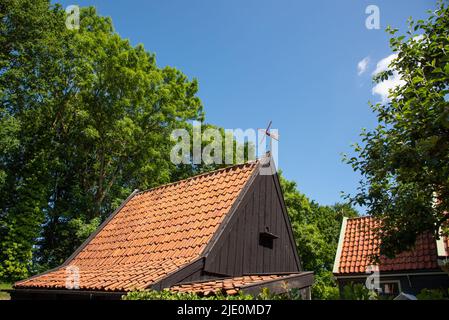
(229, 286)
(360, 243)
(154, 234)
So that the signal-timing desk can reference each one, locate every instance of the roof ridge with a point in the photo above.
(253, 162)
(360, 217)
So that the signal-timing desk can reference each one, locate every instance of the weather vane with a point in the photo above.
(267, 133)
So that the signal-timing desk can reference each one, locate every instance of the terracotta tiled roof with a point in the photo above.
(228, 286)
(361, 243)
(154, 234)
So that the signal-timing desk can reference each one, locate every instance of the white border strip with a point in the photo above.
(441, 250)
(340, 244)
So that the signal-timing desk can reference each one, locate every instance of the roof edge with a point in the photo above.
(231, 213)
(287, 221)
(65, 292)
(195, 265)
(441, 246)
(360, 217)
(280, 274)
(83, 245)
(200, 175)
(300, 280)
(341, 239)
(292, 275)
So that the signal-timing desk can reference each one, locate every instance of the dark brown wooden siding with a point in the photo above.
(238, 250)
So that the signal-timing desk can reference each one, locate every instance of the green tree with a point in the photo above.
(87, 119)
(23, 184)
(9, 141)
(316, 229)
(404, 161)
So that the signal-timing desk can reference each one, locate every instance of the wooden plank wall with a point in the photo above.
(239, 252)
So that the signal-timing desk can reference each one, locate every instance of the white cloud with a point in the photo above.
(383, 88)
(383, 64)
(419, 38)
(362, 66)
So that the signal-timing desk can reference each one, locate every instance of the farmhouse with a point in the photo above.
(224, 231)
(408, 272)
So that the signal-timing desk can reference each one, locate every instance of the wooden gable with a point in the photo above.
(258, 237)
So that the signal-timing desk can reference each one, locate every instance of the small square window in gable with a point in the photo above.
(266, 238)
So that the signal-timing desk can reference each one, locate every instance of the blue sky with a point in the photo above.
(290, 61)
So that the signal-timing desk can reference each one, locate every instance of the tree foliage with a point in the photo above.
(316, 229)
(433, 294)
(404, 161)
(357, 291)
(85, 118)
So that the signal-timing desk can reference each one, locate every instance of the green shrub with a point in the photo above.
(169, 295)
(358, 292)
(325, 292)
(324, 287)
(433, 294)
(166, 294)
(4, 295)
(290, 294)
